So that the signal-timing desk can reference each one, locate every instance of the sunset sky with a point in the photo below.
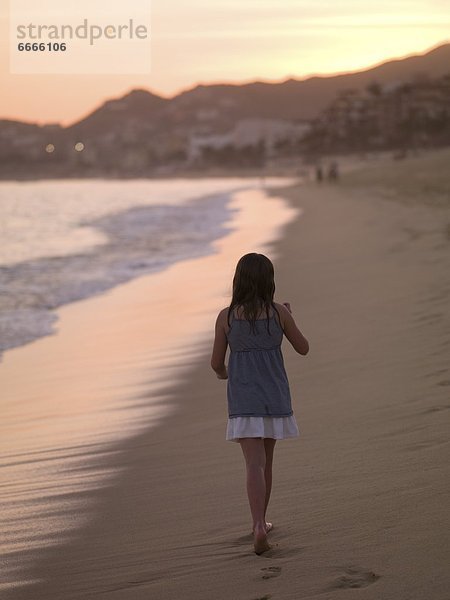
(236, 41)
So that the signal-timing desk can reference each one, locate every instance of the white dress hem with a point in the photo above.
(278, 428)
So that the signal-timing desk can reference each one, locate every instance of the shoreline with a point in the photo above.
(37, 285)
(357, 500)
(84, 393)
(285, 168)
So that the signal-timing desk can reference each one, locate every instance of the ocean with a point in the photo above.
(62, 241)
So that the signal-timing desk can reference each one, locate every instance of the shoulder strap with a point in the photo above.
(230, 317)
(277, 317)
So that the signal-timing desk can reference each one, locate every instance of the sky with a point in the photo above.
(210, 41)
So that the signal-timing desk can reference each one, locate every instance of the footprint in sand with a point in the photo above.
(271, 572)
(355, 577)
(444, 383)
(434, 409)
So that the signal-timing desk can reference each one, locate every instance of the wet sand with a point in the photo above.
(360, 499)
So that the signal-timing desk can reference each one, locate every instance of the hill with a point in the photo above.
(141, 131)
(293, 99)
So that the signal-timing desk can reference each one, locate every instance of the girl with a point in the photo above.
(259, 402)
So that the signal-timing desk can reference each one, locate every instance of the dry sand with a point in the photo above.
(360, 500)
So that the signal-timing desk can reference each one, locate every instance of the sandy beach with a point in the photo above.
(360, 499)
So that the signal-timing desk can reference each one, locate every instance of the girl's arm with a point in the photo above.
(291, 331)
(220, 346)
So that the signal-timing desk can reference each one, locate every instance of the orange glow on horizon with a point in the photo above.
(235, 42)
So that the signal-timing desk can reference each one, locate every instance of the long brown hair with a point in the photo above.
(253, 287)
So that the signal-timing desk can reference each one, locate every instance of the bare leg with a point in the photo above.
(255, 459)
(269, 445)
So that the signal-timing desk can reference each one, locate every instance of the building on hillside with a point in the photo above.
(251, 132)
(198, 143)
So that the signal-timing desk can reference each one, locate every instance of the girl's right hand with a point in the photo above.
(288, 306)
(222, 374)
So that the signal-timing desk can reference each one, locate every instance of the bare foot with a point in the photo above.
(269, 527)
(260, 540)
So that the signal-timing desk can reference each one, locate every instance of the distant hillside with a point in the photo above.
(142, 132)
(293, 99)
(139, 105)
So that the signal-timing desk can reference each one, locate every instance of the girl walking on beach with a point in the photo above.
(259, 401)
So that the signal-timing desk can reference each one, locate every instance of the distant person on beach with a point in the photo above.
(259, 401)
(333, 171)
(319, 174)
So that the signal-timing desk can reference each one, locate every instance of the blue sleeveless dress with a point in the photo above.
(259, 400)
